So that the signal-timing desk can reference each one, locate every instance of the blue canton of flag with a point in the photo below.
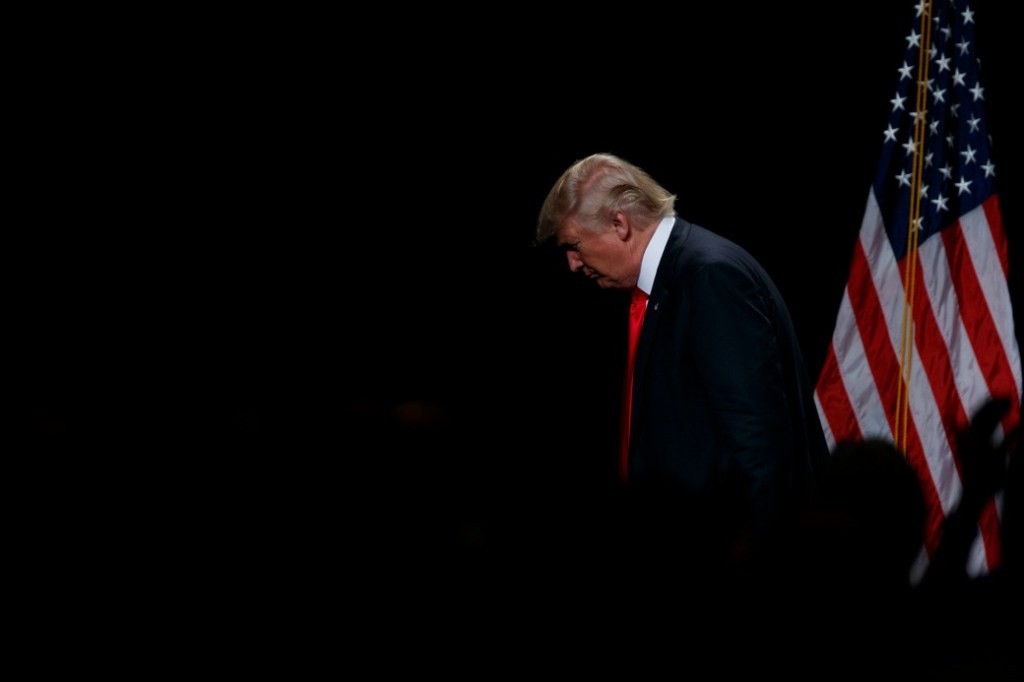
(958, 172)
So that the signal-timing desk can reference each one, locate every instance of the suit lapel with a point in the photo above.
(671, 260)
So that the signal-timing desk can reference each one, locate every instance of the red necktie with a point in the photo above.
(637, 308)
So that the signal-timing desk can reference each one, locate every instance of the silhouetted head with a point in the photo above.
(871, 498)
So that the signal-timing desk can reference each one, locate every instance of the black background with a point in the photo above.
(271, 262)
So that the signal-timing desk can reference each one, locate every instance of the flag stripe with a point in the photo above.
(833, 401)
(887, 306)
(943, 404)
(874, 270)
(1001, 307)
(970, 252)
(967, 377)
(930, 345)
(994, 219)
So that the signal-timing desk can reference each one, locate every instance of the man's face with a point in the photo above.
(600, 256)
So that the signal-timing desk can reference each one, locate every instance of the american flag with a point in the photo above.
(925, 333)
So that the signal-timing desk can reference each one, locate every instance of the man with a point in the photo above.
(721, 405)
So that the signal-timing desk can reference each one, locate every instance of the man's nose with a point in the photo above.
(575, 262)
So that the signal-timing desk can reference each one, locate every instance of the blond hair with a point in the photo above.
(594, 188)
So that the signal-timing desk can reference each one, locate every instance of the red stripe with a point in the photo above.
(931, 347)
(885, 369)
(981, 329)
(977, 317)
(932, 350)
(988, 345)
(835, 402)
(934, 515)
(870, 320)
(994, 218)
(988, 523)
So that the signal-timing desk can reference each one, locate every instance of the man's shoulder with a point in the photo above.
(694, 241)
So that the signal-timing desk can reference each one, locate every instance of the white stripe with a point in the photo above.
(851, 359)
(855, 371)
(830, 437)
(919, 566)
(978, 238)
(977, 559)
(977, 563)
(931, 430)
(972, 390)
(885, 272)
(970, 382)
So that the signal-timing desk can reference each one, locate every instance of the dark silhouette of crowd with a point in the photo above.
(489, 570)
(644, 576)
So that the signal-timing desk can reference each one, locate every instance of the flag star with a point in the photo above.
(918, 221)
(946, 31)
(963, 186)
(890, 134)
(915, 114)
(958, 78)
(918, 8)
(943, 63)
(963, 46)
(940, 95)
(951, 140)
(932, 52)
(903, 179)
(927, 84)
(990, 169)
(954, 109)
(940, 203)
(968, 16)
(973, 123)
(976, 91)
(913, 40)
(909, 146)
(897, 101)
(968, 155)
(946, 171)
(928, 159)
(906, 71)
(933, 127)
(924, 191)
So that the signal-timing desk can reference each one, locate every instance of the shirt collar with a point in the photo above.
(652, 255)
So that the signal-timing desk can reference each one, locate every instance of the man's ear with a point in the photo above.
(621, 225)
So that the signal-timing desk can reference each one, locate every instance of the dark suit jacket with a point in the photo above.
(722, 402)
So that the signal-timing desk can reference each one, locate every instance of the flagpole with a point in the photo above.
(913, 223)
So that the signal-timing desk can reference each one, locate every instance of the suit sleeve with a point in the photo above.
(737, 353)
